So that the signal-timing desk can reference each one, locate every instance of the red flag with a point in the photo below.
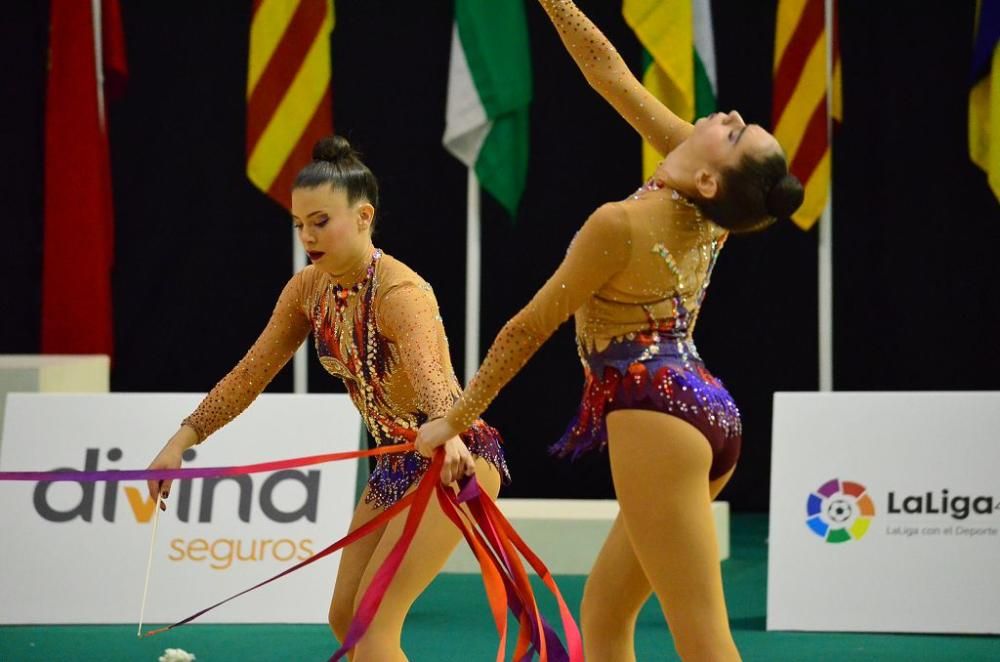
(79, 228)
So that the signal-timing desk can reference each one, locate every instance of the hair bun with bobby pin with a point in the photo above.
(333, 149)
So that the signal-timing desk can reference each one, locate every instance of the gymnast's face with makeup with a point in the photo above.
(333, 231)
(721, 140)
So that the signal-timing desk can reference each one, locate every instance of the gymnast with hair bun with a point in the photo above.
(634, 278)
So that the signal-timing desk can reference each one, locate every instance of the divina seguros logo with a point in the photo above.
(839, 511)
(284, 497)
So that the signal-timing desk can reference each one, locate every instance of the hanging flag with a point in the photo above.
(984, 98)
(799, 109)
(489, 94)
(86, 70)
(289, 106)
(678, 58)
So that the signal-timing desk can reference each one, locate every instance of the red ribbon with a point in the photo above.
(494, 542)
(198, 472)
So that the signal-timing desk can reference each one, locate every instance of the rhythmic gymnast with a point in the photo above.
(377, 328)
(635, 277)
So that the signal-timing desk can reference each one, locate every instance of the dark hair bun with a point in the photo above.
(333, 149)
(785, 197)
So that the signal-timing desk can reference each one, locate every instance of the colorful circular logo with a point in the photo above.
(839, 511)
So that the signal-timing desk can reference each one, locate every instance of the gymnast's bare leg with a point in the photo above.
(435, 540)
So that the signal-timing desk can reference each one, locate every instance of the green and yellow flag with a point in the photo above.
(679, 58)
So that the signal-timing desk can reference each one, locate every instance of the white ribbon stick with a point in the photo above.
(149, 562)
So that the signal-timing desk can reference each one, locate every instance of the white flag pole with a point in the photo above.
(826, 229)
(826, 299)
(300, 367)
(96, 19)
(473, 274)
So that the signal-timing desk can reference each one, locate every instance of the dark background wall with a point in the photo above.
(201, 255)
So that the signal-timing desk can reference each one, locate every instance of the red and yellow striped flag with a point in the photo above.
(288, 90)
(800, 106)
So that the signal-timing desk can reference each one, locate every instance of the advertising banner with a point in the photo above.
(76, 552)
(885, 512)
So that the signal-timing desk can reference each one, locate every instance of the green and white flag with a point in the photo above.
(486, 128)
(489, 95)
(706, 87)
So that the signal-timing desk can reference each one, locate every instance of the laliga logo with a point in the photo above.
(839, 511)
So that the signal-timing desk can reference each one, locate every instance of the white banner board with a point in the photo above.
(885, 512)
(76, 553)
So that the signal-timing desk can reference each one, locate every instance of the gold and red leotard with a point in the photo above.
(384, 338)
(634, 277)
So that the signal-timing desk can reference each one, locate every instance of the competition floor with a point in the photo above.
(451, 623)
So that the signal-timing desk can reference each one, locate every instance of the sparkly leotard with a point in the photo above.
(634, 277)
(384, 338)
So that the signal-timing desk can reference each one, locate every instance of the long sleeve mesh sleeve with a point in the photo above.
(600, 249)
(608, 74)
(285, 331)
(410, 318)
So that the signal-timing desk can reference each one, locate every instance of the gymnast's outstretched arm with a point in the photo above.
(599, 251)
(285, 331)
(608, 74)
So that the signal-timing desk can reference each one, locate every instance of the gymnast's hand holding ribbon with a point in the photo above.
(458, 462)
(170, 457)
(434, 433)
